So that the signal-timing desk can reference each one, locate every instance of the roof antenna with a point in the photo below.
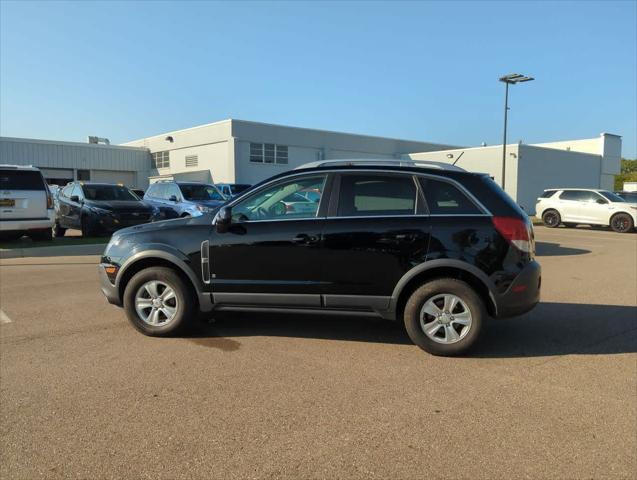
(459, 157)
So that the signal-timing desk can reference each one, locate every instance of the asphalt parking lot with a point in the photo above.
(547, 395)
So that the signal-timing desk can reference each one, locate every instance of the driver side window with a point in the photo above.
(287, 200)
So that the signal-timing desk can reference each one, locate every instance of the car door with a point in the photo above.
(570, 205)
(376, 231)
(594, 208)
(66, 208)
(271, 254)
(75, 203)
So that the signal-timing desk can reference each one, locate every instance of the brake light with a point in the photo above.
(516, 231)
(289, 208)
(49, 199)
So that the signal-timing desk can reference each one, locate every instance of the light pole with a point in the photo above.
(512, 78)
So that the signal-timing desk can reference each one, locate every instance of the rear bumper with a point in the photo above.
(24, 224)
(109, 290)
(522, 295)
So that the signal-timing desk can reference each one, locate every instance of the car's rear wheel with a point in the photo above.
(621, 223)
(551, 218)
(158, 302)
(444, 317)
(88, 229)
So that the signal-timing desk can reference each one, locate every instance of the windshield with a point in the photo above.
(629, 197)
(108, 192)
(611, 196)
(237, 189)
(201, 192)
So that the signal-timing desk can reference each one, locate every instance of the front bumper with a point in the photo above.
(110, 224)
(109, 290)
(28, 223)
(523, 293)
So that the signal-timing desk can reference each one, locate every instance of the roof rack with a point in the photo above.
(383, 162)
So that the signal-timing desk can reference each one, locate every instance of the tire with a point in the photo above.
(58, 231)
(437, 292)
(87, 229)
(621, 223)
(10, 236)
(183, 305)
(41, 235)
(551, 218)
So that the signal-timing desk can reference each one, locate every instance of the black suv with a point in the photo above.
(437, 248)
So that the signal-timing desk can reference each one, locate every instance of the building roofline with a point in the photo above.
(62, 142)
(251, 122)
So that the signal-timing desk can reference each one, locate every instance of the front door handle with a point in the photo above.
(305, 239)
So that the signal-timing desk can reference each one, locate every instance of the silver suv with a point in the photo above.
(26, 203)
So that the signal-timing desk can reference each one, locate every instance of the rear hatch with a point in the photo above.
(23, 194)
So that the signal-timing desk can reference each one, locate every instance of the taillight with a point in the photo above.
(289, 208)
(49, 199)
(516, 231)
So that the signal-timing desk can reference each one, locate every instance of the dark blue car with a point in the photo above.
(183, 199)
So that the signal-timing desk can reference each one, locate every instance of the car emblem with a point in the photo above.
(135, 214)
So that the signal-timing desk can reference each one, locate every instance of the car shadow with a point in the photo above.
(548, 249)
(551, 329)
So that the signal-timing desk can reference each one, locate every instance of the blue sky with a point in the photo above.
(422, 71)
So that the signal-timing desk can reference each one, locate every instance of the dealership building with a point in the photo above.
(237, 151)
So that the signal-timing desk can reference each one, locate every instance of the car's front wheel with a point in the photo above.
(444, 317)
(551, 218)
(58, 231)
(158, 302)
(621, 223)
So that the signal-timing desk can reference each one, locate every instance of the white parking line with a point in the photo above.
(4, 318)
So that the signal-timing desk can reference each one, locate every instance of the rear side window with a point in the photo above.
(548, 193)
(21, 180)
(443, 198)
(363, 195)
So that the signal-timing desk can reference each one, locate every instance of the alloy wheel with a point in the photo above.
(445, 318)
(156, 303)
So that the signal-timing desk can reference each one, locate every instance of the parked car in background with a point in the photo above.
(26, 203)
(629, 197)
(184, 199)
(138, 191)
(585, 206)
(100, 209)
(231, 190)
(439, 250)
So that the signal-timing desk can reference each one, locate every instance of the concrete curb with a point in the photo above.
(57, 251)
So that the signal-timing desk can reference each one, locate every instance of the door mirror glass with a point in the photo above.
(223, 219)
(75, 198)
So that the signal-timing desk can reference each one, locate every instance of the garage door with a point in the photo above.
(113, 176)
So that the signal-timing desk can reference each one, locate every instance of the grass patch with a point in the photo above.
(26, 242)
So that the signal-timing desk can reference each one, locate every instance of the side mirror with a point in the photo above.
(173, 198)
(75, 198)
(223, 219)
(601, 201)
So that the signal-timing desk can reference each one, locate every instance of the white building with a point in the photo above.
(238, 151)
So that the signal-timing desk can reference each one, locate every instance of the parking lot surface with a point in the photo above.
(547, 395)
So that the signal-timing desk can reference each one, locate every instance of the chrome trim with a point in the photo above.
(205, 262)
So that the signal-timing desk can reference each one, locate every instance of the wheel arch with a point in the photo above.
(446, 268)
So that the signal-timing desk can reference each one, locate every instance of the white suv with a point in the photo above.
(26, 204)
(588, 206)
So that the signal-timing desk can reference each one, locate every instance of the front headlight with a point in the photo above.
(101, 211)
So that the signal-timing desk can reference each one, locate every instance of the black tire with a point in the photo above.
(185, 302)
(58, 231)
(10, 236)
(41, 235)
(551, 218)
(430, 291)
(621, 223)
(88, 230)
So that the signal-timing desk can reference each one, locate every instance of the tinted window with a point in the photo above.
(629, 197)
(445, 198)
(237, 189)
(577, 195)
(281, 201)
(21, 180)
(611, 196)
(200, 192)
(171, 190)
(107, 193)
(362, 195)
(548, 193)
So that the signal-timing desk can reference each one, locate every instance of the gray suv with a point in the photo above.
(184, 199)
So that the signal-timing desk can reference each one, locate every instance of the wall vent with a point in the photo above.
(192, 161)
